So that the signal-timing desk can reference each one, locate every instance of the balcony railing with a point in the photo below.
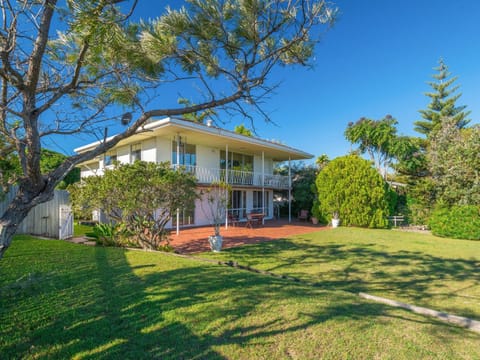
(235, 177)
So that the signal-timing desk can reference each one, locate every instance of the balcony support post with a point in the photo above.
(289, 190)
(263, 186)
(226, 188)
(178, 167)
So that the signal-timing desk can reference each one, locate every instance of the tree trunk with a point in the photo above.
(17, 211)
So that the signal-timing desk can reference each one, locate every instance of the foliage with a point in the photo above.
(378, 138)
(217, 202)
(317, 213)
(241, 129)
(75, 66)
(458, 222)
(350, 187)
(454, 162)
(143, 196)
(50, 160)
(196, 116)
(442, 105)
(108, 234)
(303, 187)
(421, 162)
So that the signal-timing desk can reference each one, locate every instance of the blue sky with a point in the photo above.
(376, 60)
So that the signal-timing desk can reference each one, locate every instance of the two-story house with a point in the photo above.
(212, 154)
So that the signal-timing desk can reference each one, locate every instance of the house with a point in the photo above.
(212, 154)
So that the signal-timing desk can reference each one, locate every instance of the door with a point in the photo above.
(65, 220)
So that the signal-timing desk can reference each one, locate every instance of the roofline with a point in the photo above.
(212, 130)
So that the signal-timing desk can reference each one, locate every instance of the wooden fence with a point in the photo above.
(50, 219)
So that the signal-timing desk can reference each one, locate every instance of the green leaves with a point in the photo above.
(442, 105)
(349, 186)
(142, 195)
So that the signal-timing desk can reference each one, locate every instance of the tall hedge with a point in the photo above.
(458, 222)
(351, 187)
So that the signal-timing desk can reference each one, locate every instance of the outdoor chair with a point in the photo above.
(303, 215)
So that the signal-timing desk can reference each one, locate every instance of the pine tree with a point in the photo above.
(443, 103)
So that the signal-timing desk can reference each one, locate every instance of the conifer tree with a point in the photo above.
(443, 103)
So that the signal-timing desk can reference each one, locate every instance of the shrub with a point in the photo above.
(351, 187)
(458, 222)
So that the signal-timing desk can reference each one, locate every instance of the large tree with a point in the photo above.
(454, 162)
(65, 67)
(379, 139)
(443, 103)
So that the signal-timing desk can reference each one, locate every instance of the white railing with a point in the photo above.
(235, 177)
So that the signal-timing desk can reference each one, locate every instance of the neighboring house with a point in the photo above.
(212, 154)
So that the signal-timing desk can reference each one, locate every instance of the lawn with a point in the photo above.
(443, 274)
(61, 300)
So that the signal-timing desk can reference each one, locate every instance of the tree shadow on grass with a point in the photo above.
(412, 275)
(112, 309)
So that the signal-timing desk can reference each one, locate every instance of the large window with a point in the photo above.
(236, 161)
(258, 202)
(187, 154)
(238, 207)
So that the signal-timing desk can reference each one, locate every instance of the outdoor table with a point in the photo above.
(254, 218)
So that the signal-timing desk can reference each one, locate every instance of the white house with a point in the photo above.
(212, 154)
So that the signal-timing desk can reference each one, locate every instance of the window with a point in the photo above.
(187, 154)
(110, 158)
(135, 152)
(236, 161)
(258, 205)
(238, 203)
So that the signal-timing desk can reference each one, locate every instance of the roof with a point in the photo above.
(202, 134)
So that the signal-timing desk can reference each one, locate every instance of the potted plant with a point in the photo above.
(335, 219)
(217, 200)
(316, 214)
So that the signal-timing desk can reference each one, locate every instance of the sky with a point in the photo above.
(376, 60)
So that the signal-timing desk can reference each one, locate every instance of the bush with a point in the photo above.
(458, 222)
(351, 187)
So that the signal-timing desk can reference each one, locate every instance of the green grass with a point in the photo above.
(60, 300)
(421, 269)
(82, 230)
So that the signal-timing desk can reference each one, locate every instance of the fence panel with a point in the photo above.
(43, 219)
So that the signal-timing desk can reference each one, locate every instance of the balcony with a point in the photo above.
(235, 177)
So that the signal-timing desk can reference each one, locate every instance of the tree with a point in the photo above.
(349, 187)
(455, 164)
(196, 116)
(377, 138)
(76, 66)
(442, 104)
(142, 196)
(242, 130)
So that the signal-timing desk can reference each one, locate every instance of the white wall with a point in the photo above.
(164, 149)
(91, 170)
(123, 154)
(208, 157)
(149, 150)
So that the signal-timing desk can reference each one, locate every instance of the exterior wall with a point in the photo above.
(91, 170)
(149, 150)
(208, 157)
(123, 154)
(164, 149)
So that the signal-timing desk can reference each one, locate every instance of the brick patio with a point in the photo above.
(196, 239)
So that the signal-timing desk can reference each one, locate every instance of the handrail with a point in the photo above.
(235, 177)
